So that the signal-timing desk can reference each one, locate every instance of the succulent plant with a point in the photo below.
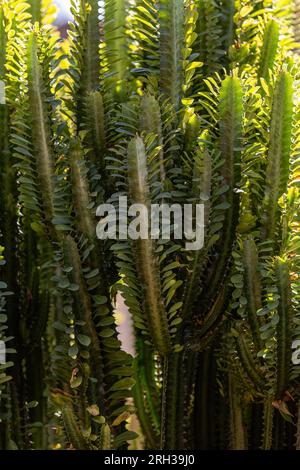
(168, 101)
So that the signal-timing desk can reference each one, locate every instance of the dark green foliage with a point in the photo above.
(175, 101)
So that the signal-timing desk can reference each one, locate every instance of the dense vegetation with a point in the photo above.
(199, 100)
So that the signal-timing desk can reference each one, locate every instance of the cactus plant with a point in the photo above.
(159, 101)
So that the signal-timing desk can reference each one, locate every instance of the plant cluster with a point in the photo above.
(176, 101)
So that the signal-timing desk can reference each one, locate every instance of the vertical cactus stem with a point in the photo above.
(90, 77)
(238, 436)
(80, 189)
(83, 395)
(269, 49)
(252, 289)
(96, 127)
(35, 10)
(3, 42)
(169, 402)
(150, 122)
(8, 185)
(154, 101)
(279, 152)
(147, 264)
(147, 377)
(105, 437)
(229, 23)
(284, 310)
(116, 49)
(85, 308)
(231, 115)
(73, 430)
(230, 141)
(202, 397)
(139, 401)
(85, 220)
(209, 43)
(202, 174)
(85, 47)
(268, 424)
(248, 363)
(40, 127)
(17, 417)
(171, 18)
(186, 398)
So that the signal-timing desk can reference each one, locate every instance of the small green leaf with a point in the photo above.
(124, 437)
(93, 410)
(76, 381)
(73, 351)
(32, 404)
(99, 419)
(100, 299)
(107, 333)
(123, 384)
(5, 378)
(84, 340)
(59, 326)
(6, 365)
